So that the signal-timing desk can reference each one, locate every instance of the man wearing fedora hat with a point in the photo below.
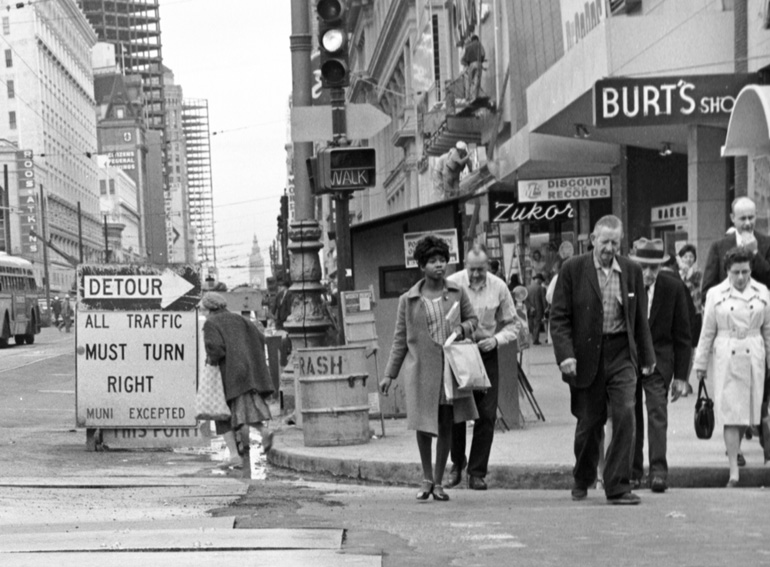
(669, 321)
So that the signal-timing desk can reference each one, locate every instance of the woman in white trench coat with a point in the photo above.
(735, 348)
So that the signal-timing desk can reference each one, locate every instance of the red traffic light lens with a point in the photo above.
(334, 71)
(329, 10)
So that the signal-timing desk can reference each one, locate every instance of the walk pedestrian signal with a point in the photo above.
(343, 169)
(333, 43)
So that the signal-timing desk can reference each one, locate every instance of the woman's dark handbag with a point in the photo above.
(704, 413)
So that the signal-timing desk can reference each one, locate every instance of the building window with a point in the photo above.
(11, 90)
(102, 187)
(120, 113)
(6, 25)
(112, 186)
(12, 120)
(8, 58)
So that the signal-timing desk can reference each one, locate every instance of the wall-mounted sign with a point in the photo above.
(675, 212)
(412, 238)
(564, 189)
(25, 173)
(580, 17)
(124, 159)
(667, 100)
(503, 207)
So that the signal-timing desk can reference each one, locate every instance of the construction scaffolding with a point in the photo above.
(133, 26)
(195, 125)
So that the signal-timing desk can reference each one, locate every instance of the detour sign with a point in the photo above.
(137, 346)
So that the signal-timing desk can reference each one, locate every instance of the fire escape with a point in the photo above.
(459, 116)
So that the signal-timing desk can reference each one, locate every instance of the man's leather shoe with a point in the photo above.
(476, 483)
(454, 477)
(579, 493)
(625, 499)
(635, 483)
(658, 484)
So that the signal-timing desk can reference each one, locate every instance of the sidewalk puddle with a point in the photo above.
(219, 454)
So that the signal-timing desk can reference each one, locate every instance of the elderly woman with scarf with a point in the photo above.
(237, 346)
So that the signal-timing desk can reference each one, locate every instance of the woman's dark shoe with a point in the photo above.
(426, 489)
(732, 483)
(439, 494)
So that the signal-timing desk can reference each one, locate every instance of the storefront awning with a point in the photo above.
(749, 129)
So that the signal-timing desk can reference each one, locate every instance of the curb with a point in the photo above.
(515, 477)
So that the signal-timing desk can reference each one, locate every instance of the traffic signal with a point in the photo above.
(333, 43)
(344, 169)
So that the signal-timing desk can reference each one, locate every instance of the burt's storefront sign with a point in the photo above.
(667, 100)
(564, 189)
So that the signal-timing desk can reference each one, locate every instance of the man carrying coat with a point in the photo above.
(669, 320)
(600, 338)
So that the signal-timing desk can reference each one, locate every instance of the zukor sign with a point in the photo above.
(137, 346)
(503, 207)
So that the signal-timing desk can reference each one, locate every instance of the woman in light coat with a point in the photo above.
(734, 347)
(417, 353)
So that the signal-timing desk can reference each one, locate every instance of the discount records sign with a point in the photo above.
(137, 346)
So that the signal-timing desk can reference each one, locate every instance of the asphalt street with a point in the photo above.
(49, 482)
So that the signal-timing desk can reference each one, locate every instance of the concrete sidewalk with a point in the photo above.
(538, 456)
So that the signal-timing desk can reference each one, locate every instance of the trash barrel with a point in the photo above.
(335, 409)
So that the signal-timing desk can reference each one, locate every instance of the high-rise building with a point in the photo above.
(180, 236)
(47, 94)
(133, 26)
(195, 124)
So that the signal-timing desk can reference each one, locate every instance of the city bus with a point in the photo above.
(19, 308)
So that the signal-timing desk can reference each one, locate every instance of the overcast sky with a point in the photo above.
(235, 53)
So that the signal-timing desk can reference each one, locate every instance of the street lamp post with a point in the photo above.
(307, 324)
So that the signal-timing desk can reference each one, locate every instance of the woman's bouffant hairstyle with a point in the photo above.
(737, 255)
(428, 246)
(688, 248)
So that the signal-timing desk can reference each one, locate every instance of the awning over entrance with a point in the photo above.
(749, 129)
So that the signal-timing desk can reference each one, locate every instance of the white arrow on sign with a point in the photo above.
(314, 123)
(168, 287)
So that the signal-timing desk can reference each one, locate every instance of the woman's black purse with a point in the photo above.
(704, 413)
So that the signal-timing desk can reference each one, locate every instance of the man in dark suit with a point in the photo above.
(600, 338)
(743, 216)
(669, 321)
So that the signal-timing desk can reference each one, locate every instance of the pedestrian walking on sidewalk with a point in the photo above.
(428, 314)
(669, 320)
(237, 346)
(498, 325)
(600, 337)
(56, 309)
(66, 314)
(735, 344)
(536, 306)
